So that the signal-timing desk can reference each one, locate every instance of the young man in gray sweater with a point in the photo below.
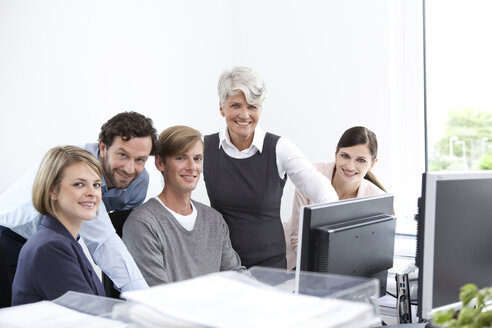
(172, 237)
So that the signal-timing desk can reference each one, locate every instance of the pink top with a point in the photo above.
(366, 188)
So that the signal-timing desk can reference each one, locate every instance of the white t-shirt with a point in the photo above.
(187, 221)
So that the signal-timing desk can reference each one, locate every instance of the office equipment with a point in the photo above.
(406, 280)
(454, 244)
(349, 237)
(349, 288)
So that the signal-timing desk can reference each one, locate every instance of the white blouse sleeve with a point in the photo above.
(311, 183)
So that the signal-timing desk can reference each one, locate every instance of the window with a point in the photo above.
(459, 84)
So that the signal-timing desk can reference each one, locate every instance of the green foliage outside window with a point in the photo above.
(486, 162)
(469, 130)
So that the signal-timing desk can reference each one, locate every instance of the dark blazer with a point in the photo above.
(51, 263)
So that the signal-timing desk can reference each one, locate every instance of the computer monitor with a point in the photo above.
(454, 238)
(350, 237)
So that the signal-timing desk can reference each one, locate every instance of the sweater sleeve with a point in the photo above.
(142, 240)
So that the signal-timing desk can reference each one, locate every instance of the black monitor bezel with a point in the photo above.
(426, 234)
(341, 211)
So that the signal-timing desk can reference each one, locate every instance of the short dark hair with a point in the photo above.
(128, 125)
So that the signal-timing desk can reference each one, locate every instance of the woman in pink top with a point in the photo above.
(350, 176)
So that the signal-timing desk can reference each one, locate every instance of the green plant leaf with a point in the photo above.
(441, 317)
(480, 300)
(453, 323)
(467, 315)
(470, 316)
(468, 292)
(484, 319)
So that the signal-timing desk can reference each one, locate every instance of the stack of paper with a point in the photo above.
(230, 299)
(47, 314)
(387, 305)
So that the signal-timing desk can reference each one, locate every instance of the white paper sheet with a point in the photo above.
(219, 300)
(47, 314)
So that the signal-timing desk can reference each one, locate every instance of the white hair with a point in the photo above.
(241, 79)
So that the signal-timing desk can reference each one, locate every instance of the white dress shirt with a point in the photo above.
(290, 161)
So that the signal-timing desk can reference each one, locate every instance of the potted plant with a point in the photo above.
(476, 310)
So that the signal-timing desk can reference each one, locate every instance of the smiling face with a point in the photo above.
(353, 163)
(241, 119)
(77, 196)
(123, 161)
(181, 172)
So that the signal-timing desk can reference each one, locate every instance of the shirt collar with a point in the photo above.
(104, 185)
(94, 149)
(258, 139)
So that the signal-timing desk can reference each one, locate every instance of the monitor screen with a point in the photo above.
(349, 237)
(454, 243)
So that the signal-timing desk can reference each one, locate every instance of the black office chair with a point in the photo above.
(10, 246)
(5, 286)
(118, 219)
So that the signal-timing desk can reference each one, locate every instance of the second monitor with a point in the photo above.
(349, 237)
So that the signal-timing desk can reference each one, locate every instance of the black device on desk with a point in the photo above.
(406, 287)
(454, 240)
(349, 237)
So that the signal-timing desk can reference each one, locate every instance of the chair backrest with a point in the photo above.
(12, 244)
(5, 286)
(118, 220)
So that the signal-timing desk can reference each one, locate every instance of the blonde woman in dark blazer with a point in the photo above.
(67, 191)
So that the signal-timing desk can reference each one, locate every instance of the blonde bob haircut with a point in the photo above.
(50, 174)
(177, 140)
(241, 79)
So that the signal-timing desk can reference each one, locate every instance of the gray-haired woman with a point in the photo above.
(245, 170)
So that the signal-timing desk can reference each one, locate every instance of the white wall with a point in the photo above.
(67, 66)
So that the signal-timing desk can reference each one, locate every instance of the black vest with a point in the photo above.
(247, 192)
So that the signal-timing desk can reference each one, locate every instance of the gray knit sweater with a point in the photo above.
(166, 252)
